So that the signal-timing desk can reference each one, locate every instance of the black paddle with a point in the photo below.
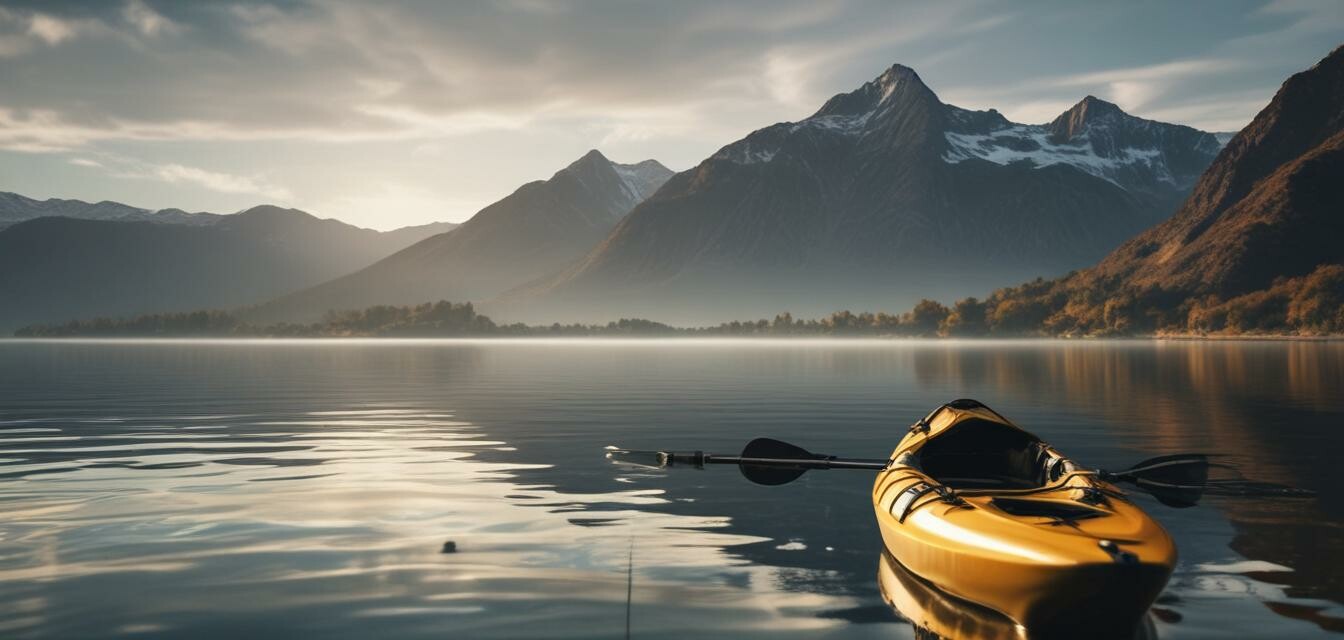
(763, 461)
(1175, 480)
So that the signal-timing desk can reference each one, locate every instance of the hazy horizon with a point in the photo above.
(393, 115)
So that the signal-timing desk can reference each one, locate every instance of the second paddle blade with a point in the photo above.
(1175, 480)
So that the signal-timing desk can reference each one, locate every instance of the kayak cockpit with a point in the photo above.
(984, 454)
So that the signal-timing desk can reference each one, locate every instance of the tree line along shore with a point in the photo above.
(1311, 305)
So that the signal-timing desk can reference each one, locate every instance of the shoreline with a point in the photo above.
(1268, 337)
(701, 339)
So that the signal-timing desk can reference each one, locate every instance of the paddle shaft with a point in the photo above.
(699, 458)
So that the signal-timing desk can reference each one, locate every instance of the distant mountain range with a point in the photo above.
(884, 195)
(15, 208)
(533, 232)
(1255, 248)
(66, 259)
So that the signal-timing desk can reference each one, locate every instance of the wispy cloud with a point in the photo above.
(217, 181)
(1157, 91)
(41, 130)
(46, 130)
(119, 166)
(1219, 112)
(48, 29)
(1138, 87)
(22, 32)
(148, 21)
(345, 71)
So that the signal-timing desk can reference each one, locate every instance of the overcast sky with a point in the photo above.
(386, 114)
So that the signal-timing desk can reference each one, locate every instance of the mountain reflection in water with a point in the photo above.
(276, 488)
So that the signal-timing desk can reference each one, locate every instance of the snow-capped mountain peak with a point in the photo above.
(1095, 137)
(620, 186)
(851, 115)
(874, 95)
(1090, 110)
(896, 109)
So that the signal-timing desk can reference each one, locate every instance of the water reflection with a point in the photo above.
(938, 615)
(356, 544)
(283, 489)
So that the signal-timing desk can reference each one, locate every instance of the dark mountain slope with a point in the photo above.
(1255, 247)
(54, 268)
(1267, 207)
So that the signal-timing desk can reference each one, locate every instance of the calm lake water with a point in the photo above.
(278, 489)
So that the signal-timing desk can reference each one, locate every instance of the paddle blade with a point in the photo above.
(775, 474)
(1176, 480)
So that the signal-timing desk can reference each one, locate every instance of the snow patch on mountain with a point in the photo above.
(843, 124)
(764, 148)
(642, 179)
(889, 82)
(852, 115)
(1031, 143)
(628, 183)
(745, 153)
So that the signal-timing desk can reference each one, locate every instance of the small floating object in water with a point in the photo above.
(449, 547)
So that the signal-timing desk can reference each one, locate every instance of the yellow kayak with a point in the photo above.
(989, 513)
